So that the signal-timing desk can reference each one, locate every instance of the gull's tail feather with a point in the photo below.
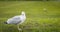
(5, 23)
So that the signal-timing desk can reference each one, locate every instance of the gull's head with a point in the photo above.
(23, 13)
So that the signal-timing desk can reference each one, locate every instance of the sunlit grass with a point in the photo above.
(37, 20)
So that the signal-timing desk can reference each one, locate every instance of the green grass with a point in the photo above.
(37, 20)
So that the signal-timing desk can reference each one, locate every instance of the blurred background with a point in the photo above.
(29, 0)
(42, 15)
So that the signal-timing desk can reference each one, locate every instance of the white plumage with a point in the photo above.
(17, 19)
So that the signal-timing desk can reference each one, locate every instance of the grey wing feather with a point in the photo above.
(14, 20)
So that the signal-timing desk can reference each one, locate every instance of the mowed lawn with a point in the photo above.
(38, 19)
